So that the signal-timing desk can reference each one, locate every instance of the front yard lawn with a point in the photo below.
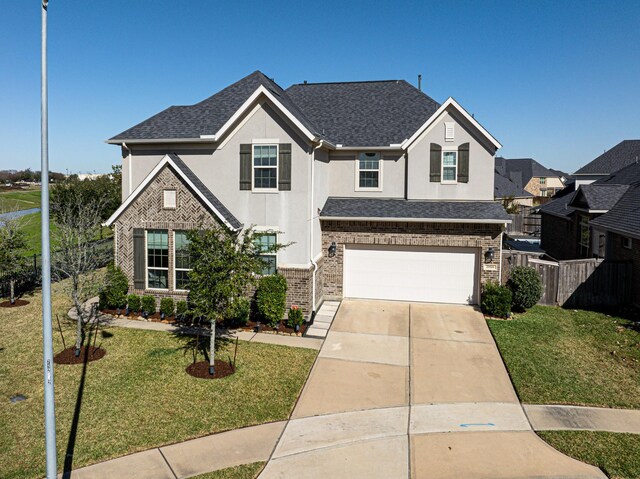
(563, 356)
(247, 471)
(618, 455)
(137, 397)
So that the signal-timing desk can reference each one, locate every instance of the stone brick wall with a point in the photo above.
(147, 212)
(481, 236)
(559, 237)
(618, 253)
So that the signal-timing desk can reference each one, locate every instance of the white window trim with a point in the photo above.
(270, 230)
(175, 288)
(253, 168)
(442, 180)
(627, 242)
(146, 262)
(379, 170)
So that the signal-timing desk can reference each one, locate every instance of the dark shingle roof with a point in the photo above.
(373, 113)
(621, 155)
(598, 197)
(559, 206)
(504, 187)
(413, 209)
(217, 204)
(521, 170)
(624, 217)
(209, 115)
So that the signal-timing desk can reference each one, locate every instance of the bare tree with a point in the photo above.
(78, 225)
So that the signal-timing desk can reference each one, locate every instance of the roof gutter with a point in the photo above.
(415, 220)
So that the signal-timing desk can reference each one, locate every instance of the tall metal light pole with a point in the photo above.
(47, 336)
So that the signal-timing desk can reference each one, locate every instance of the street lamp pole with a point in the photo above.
(47, 335)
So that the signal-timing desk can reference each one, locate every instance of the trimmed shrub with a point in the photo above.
(167, 306)
(495, 300)
(239, 312)
(296, 317)
(271, 298)
(149, 304)
(526, 287)
(182, 309)
(133, 301)
(116, 286)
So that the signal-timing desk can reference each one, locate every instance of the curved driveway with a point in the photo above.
(414, 390)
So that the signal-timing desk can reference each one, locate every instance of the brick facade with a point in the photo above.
(616, 252)
(480, 236)
(147, 212)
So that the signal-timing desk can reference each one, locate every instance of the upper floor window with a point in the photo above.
(158, 259)
(543, 180)
(265, 167)
(585, 236)
(449, 166)
(181, 260)
(265, 243)
(627, 242)
(369, 171)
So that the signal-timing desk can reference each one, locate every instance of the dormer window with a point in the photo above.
(369, 171)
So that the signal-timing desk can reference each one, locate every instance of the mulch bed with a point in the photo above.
(155, 317)
(281, 329)
(201, 369)
(68, 356)
(18, 302)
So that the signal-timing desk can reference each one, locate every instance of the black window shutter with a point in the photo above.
(138, 258)
(284, 167)
(245, 167)
(463, 163)
(435, 163)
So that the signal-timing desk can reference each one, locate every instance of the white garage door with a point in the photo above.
(439, 275)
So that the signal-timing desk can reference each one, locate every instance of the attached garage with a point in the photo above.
(411, 273)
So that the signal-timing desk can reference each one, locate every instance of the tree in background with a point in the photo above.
(12, 247)
(78, 216)
(106, 187)
(224, 264)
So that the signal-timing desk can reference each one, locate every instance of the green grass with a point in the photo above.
(137, 397)
(560, 356)
(618, 455)
(247, 471)
(19, 200)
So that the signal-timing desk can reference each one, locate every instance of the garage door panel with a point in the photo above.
(446, 275)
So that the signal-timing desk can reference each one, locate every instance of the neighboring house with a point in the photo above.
(623, 154)
(530, 176)
(572, 224)
(505, 189)
(382, 192)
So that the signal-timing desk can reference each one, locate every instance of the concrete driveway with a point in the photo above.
(412, 390)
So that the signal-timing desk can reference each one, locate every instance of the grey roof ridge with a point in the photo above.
(206, 192)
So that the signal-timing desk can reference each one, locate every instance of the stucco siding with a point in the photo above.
(481, 165)
(342, 174)
(218, 168)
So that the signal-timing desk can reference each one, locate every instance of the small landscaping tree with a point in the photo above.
(495, 300)
(12, 247)
(116, 286)
(526, 287)
(224, 265)
(271, 298)
(78, 218)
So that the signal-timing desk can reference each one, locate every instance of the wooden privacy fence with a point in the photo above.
(579, 283)
(524, 222)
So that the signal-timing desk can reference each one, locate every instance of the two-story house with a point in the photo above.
(383, 192)
(530, 176)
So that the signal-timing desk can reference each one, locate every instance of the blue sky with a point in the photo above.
(557, 81)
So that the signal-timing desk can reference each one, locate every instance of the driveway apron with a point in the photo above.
(412, 390)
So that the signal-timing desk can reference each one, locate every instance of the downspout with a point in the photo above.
(124, 145)
(311, 237)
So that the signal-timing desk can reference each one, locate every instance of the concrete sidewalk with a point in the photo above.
(551, 418)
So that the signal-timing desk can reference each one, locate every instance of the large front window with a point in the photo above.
(265, 243)
(265, 167)
(369, 170)
(449, 166)
(158, 259)
(182, 260)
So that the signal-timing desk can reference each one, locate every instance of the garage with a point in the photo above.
(411, 273)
